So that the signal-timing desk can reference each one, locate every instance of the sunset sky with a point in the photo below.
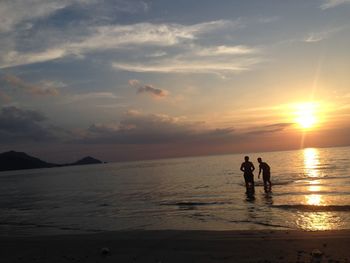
(128, 80)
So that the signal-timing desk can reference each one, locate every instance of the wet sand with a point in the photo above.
(181, 246)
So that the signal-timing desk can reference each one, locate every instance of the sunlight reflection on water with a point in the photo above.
(311, 162)
(315, 188)
(314, 199)
(315, 220)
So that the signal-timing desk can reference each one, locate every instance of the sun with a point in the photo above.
(306, 115)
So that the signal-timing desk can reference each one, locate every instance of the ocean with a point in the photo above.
(310, 191)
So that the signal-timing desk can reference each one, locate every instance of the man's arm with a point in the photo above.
(242, 168)
(259, 171)
(253, 168)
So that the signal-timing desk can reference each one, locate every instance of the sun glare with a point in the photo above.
(306, 115)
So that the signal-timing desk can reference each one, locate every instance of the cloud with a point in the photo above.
(155, 92)
(333, 3)
(91, 96)
(220, 60)
(124, 36)
(272, 128)
(315, 37)
(226, 50)
(52, 83)
(134, 129)
(157, 54)
(140, 128)
(148, 89)
(182, 64)
(14, 58)
(117, 36)
(17, 125)
(222, 131)
(112, 106)
(134, 83)
(319, 36)
(265, 20)
(18, 83)
(4, 97)
(81, 41)
(15, 12)
(131, 7)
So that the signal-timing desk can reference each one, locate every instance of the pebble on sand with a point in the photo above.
(316, 253)
(105, 251)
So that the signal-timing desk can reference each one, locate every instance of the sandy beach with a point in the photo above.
(181, 246)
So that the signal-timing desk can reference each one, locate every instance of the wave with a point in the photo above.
(279, 182)
(315, 208)
(329, 193)
(274, 183)
(36, 225)
(307, 178)
(258, 223)
(202, 187)
(190, 204)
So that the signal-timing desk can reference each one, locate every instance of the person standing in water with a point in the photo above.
(247, 168)
(265, 169)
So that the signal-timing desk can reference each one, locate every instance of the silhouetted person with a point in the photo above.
(247, 168)
(265, 169)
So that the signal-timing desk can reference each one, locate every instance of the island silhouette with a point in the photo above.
(13, 160)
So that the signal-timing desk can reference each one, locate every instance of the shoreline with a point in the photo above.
(181, 246)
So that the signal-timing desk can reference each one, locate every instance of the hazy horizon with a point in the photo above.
(135, 80)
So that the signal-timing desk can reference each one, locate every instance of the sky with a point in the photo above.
(130, 80)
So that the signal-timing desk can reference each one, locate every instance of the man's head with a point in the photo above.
(259, 160)
(246, 158)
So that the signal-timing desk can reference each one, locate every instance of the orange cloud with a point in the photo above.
(18, 83)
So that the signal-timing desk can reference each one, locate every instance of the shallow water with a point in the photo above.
(311, 191)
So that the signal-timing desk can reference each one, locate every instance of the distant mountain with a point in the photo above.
(86, 160)
(19, 160)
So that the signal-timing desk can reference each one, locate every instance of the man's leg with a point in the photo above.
(246, 182)
(265, 185)
(252, 184)
(267, 182)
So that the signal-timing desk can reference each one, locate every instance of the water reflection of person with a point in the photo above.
(247, 168)
(268, 199)
(250, 197)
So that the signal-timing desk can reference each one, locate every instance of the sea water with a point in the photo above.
(310, 191)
